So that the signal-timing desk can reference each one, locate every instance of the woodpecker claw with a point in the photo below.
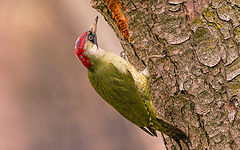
(124, 55)
(146, 72)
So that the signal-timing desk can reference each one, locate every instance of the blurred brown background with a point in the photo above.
(46, 101)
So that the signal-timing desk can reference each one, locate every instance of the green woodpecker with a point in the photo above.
(119, 83)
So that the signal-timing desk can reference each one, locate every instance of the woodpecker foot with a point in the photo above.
(146, 72)
(124, 55)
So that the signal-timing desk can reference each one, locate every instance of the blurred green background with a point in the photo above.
(46, 100)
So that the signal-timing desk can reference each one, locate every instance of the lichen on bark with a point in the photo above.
(192, 49)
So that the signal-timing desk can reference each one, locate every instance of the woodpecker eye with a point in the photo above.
(90, 37)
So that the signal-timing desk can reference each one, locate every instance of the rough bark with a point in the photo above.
(192, 48)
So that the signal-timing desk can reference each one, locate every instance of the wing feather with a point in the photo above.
(119, 90)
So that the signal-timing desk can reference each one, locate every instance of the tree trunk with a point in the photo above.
(192, 49)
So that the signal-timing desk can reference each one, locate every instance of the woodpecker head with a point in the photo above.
(86, 45)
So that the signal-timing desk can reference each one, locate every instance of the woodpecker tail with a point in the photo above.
(171, 131)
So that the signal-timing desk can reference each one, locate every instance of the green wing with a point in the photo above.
(119, 90)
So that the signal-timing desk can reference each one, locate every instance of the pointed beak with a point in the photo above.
(94, 26)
